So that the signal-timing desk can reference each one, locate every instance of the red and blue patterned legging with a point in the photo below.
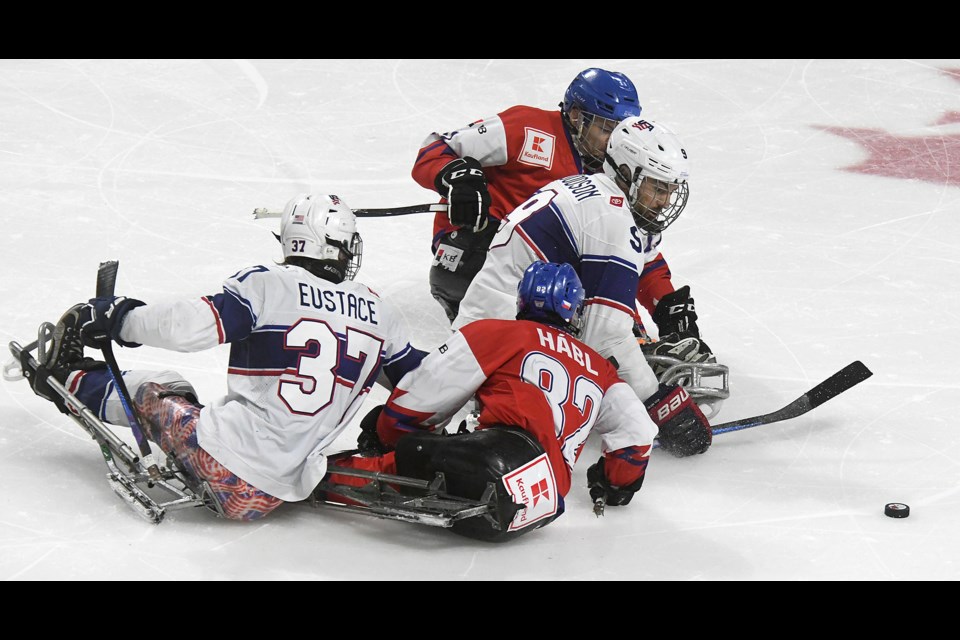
(171, 422)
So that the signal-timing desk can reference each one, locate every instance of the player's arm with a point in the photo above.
(484, 140)
(626, 435)
(400, 357)
(611, 282)
(427, 397)
(200, 323)
(452, 165)
(655, 282)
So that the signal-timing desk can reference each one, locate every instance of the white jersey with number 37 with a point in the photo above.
(304, 354)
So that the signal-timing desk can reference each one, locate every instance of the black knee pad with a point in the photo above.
(469, 463)
(449, 287)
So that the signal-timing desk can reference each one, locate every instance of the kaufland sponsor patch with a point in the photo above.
(532, 485)
(616, 201)
(537, 148)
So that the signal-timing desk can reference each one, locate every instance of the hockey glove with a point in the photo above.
(101, 319)
(684, 430)
(464, 186)
(600, 487)
(688, 349)
(368, 442)
(675, 313)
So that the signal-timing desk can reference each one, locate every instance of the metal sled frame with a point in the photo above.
(428, 504)
(152, 496)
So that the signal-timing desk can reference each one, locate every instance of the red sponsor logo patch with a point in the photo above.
(616, 201)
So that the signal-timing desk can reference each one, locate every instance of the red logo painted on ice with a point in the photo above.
(932, 158)
(616, 201)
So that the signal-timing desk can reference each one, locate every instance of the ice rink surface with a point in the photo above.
(822, 228)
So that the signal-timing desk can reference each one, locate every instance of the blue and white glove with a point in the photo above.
(100, 321)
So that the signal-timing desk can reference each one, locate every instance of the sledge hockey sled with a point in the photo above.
(421, 501)
(152, 492)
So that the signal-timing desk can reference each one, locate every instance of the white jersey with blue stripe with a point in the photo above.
(304, 353)
(583, 220)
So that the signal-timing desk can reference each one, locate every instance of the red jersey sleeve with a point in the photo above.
(654, 283)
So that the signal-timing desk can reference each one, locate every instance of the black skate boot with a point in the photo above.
(64, 357)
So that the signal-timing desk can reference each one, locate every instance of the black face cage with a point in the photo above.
(356, 256)
(351, 256)
(590, 156)
(656, 220)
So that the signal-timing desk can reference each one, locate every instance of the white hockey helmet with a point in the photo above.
(647, 161)
(322, 227)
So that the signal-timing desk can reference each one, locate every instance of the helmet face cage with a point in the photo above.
(655, 204)
(551, 293)
(590, 134)
(351, 253)
(603, 98)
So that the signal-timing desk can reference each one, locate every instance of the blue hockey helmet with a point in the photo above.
(601, 100)
(608, 94)
(551, 293)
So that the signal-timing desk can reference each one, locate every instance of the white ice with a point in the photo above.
(798, 267)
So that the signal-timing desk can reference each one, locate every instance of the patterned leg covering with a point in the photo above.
(171, 422)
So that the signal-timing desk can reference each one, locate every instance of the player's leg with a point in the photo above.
(458, 258)
(169, 414)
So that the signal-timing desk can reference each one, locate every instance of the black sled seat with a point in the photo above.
(452, 481)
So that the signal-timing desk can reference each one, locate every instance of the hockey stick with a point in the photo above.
(389, 212)
(851, 375)
(106, 282)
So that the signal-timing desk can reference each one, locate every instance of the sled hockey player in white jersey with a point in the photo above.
(591, 222)
(307, 344)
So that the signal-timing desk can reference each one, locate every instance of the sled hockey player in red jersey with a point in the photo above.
(484, 170)
(307, 343)
(542, 392)
(592, 223)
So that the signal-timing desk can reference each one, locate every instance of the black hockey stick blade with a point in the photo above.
(107, 278)
(851, 375)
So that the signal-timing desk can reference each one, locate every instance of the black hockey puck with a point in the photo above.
(896, 510)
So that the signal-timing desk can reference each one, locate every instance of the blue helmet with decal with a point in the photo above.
(551, 293)
(594, 103)
(608, 94)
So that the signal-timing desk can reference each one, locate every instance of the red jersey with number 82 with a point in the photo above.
(532, 376)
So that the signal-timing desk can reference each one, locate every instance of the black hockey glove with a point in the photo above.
(368, 442)
(684, 430)
(464, 186)
(101, 318)
(600, 487)
(675, 313)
